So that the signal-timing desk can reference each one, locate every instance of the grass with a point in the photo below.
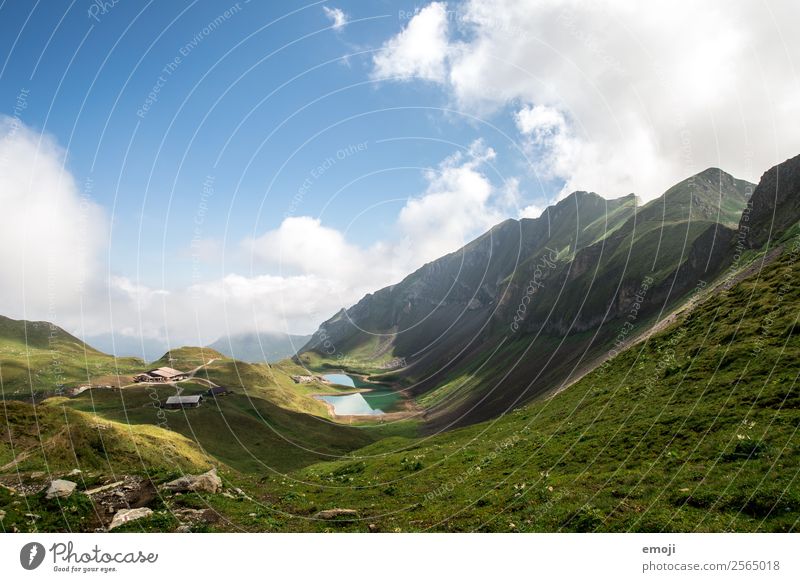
(694, 429)
(54, 437)
(37, 358)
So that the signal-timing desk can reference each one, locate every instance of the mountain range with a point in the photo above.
(608, 366)
(257, 347)
(519, 310)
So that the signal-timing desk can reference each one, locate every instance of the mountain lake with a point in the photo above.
(378, 400)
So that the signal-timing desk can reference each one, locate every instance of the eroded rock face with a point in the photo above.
(775, 204)
(208, 482)
(60, 488)
(124, 516)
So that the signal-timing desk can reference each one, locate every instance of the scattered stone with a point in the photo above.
(334, 513)
(373, 528)
(33, 516)
(37, 474)
(207, 482)
(183, 529)
(130, 493)
(188, 516)
(104, 488)
(60, 488)
(74, 472)
(124, 516)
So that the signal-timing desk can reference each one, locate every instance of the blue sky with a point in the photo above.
(181, 170)
(258, 104)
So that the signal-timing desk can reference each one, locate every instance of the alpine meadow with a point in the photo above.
(471, 266)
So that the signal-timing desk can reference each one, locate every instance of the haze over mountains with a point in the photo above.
(260, 346)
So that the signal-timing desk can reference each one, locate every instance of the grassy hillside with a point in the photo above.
(55, 437)
(693, 430)
(245, 432)
(38, 358)
(515, 312)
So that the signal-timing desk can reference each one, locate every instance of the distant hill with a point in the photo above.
(37, 358)
(38, 335)
(260, 347)
(147, 349)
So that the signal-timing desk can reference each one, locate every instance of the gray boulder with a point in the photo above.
(124, 516)
(335, 513)
(206, 483)
(60, 488)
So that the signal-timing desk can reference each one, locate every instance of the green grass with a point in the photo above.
(694, 430)
(55, 437)
(38, 358)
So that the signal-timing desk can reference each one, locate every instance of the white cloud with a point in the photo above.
(336, 16)
(531, 211)
(458, 203)
(551, 143)
(455, 207)
(302, 244)
(418, 51)
(51, 236)
(303, 271)
(648, 97)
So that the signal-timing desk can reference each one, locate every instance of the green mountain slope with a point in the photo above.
(38, 358)
(522, 308)
(695, 429)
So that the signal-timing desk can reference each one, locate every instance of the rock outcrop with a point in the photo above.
(60, 488)
(208, 482)
(775, 204)
(124, 516)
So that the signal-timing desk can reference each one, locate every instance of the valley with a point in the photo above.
(604, 367)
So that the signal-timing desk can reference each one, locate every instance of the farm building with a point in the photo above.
(218, 391)
(177, 402)
(161, 375)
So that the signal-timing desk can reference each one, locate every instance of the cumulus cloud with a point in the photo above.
(303, 271)
(420, 50)
(458, 203)
(617, 99)
(337, 16)
(52, 235)
(531, 211)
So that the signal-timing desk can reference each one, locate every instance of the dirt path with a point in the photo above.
(17, 460)
(198, 368)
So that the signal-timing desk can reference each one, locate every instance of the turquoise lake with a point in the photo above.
(377, 401)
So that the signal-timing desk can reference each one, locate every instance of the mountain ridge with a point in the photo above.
(556, 278)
